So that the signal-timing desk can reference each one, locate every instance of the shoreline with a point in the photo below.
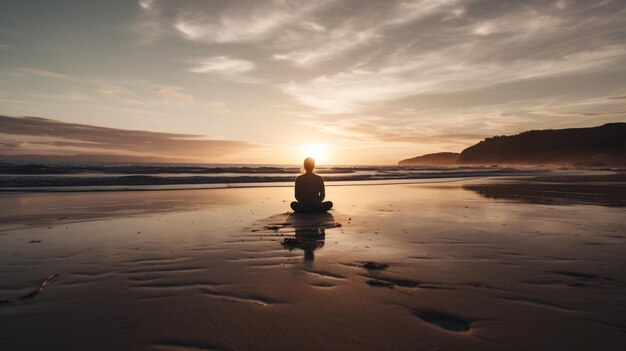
(88, 177)
(241, 185)
(276, 183)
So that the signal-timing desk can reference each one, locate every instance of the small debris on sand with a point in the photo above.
(35, 241)
(374, 265)
(379, 283)
(40, 288)
(33, 293)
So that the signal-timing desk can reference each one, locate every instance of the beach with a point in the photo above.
(488, 263)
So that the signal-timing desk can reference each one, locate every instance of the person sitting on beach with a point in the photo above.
(310, 191)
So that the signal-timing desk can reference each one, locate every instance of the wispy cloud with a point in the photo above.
(345, 92)
(44, 73)
(51, 135)
(175, 94)
(341, 40)
(227, 68)
(309, 45)
(616, 97)
(12, 144)
(111, 89)
(449, 69)
(587, 114)
(375, 52)
(117, 92)
(375, 129)
(217, 107)
(146, 4)
(241, 22)
(223, 65)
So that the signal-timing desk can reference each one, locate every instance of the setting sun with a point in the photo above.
(317, 151)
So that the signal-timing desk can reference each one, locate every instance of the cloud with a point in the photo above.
(429, 47)
(51, 136)
(175, 94)
(44, 73)
(227, 68)
(617, 97)
(375, 128)
(246, 21)
(112, 90)
(449, 69)
(9, 144)
(345, 92)
(587, 114)
(201, 28)
(146, 4)
(118, 92)
(223, 65)
(150, 25)
(217, 107)
(341, 40)
(356, 32)
(378, 51)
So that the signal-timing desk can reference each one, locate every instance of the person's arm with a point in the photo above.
(322, 191)
(297, 191)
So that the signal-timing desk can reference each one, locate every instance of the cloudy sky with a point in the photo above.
(253, 81)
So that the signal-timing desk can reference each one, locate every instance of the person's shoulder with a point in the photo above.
(303, 177)
(309, 176)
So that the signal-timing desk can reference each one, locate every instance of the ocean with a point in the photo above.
(93, 176)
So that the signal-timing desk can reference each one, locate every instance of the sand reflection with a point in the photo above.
(310, 232)
(301, 231)
(599, 190)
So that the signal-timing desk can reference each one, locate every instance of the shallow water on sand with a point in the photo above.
(229, 269)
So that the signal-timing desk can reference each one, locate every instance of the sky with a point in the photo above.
(272, 81)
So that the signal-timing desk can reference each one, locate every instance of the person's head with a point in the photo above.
(309, 164)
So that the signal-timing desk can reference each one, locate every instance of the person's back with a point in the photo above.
(310, 191)
(309, 188)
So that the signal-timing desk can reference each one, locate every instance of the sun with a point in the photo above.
(317, 151)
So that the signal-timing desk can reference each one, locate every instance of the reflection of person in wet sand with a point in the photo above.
(310, 232)
(310, 191)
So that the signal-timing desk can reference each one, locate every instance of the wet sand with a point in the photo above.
(485, 264)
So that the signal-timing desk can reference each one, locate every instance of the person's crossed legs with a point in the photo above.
(311, 208)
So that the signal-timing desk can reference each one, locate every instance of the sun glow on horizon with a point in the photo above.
(318, 152)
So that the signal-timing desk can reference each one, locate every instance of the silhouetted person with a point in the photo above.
(310, 191)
